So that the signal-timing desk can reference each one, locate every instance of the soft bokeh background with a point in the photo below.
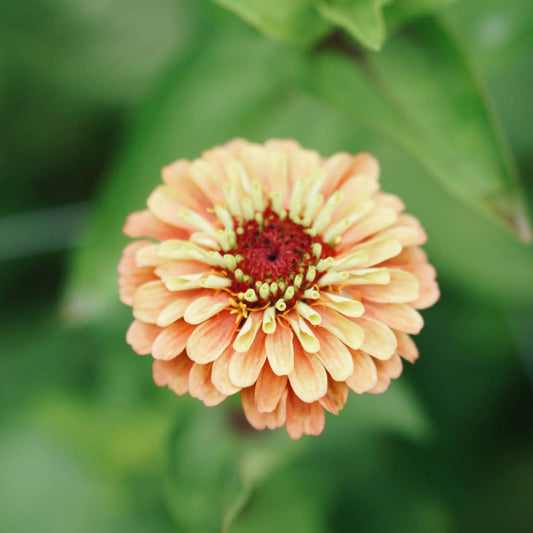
(94, 98)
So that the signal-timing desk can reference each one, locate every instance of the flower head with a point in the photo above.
(279, 274)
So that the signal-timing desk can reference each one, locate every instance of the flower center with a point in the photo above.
(277, 259)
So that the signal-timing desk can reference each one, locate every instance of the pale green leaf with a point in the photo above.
(291, 20)
(363, 19)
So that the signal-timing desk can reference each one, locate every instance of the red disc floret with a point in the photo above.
(274, 250)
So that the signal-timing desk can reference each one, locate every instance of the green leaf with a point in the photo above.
(440, 116)
(363, 19)
(400, 11)
(290, 20)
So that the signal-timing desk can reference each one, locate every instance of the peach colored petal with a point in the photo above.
(382, 384)
(141, 336)
(150, 299)
(208, 179)
(345, 329)
(302, 163)
(380, 341)
(175, 310)
(409, 256)
(408, 231)
(378, 219)
(131, 277)
(177, 176)
(308, 378)
(397, 316)
(429, 289)
(280, 351)
(365, 164)
(129, 283)
(220, 373)
(127, 262)
(211, 338)
(268, 390)
(166, 204)
(219, 157)
(304, 418)
(172, 340)
(392, 368)
(205, 307)
(353, 207)
(148, 256)
(378, 249)
(278, 174)
(336, 396)
(334, 355)
(244, 367)
(145, 224)
(257, 420)
(174, 374)
(403, 288)
(236, 146)
(391, 201)
(336, 167)
(354, 176)
(171, 268)
(364, 375)
(201, 386)
(406, 347)
(429, 294)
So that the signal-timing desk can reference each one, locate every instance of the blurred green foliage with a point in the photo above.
(96, 100)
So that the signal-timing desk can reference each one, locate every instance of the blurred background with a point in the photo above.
(95, 97)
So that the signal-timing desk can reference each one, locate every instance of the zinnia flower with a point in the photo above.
(279, 274)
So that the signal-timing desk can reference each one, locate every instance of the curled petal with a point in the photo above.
(304, 333)
(249, 330)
